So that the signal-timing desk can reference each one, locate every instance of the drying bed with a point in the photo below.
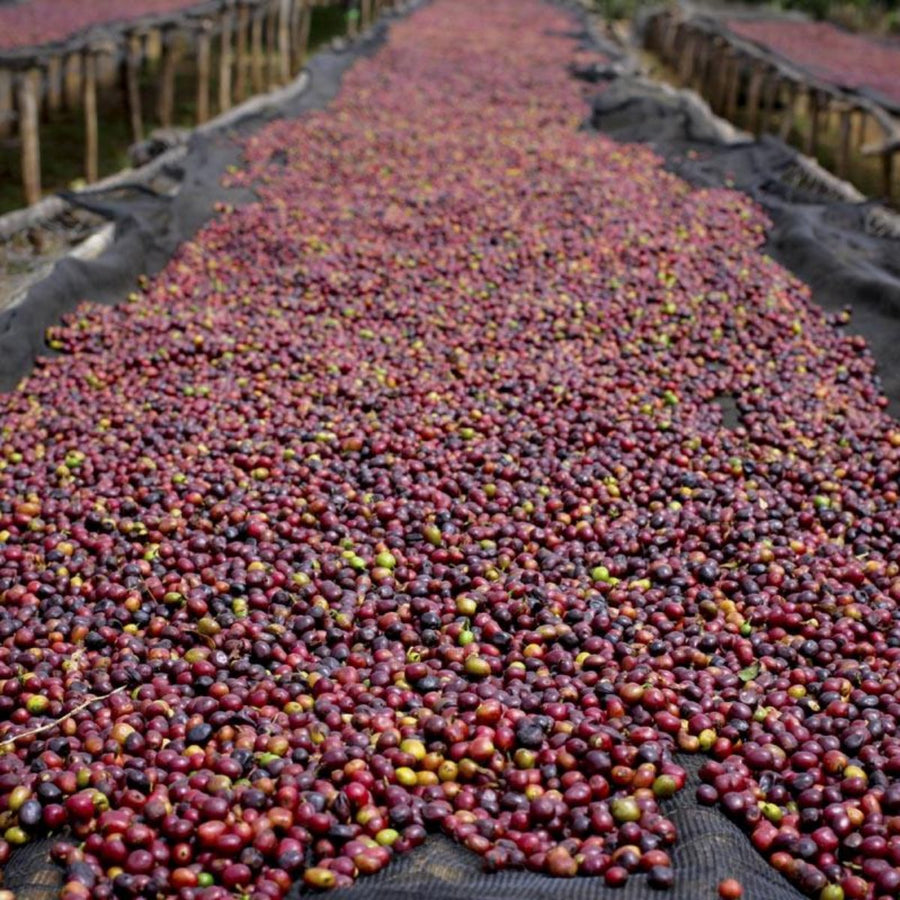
(850, 61)
(465, 482)
(37, 22)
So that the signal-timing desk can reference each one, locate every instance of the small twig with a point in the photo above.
(59, 721)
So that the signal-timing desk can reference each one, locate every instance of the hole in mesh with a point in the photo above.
(727, 403)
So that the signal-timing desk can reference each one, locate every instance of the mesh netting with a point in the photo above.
(709, 849)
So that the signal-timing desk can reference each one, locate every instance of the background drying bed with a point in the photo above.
(851, 61)
(433, 455)
(35, 22)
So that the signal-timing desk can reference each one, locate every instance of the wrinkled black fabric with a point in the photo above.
(710, 848)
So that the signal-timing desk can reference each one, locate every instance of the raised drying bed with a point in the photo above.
(774, 93)
(232, 48)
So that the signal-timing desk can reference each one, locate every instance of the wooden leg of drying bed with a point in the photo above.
(256, 52)
(133, 59)
(91, 128)
(166, 99)
(204, 75)
(54, 84)
(241, 39)
(284, 41)
(7, 115)
(29, 134)
(72, 81)
(225, 25)
(754, 91)
(790, 111)
(843, 159)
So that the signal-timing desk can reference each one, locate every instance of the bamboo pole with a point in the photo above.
(686, 58)
(54, 84)
(7, 116)
(91, 127)
(272, 42)
(303, 37)
(887, 173)
(812, 134)
(133, 56)
(153, 45)
(770, 95)
(225, 29)
(72, 81)
(701, 66)
(654, 31)
(29, 133)
(241, 40)
(716, 73)
(204, 55)
(733, 89)
(284, 41)
(753, 97)
(790, 111)
(165, 107)
(860, 138)
(843, 158)
(294, 29)
(107, 72)
(256, 51)
(669, 36)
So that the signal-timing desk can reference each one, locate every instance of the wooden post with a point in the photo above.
(753, 95)
(107, 72)
(256, 50)
(887, 172)
(294, 29)
(165, 107)
(686, 57)
(204, 54)
(715, 74)
(790, 111)
(29, 88)
(733, 88)
(243, 25)
(284, 41)
(812, 135)
(366, 13)
(225, 60)
(670, 34)
(154, 43)
(701, 65)
(654, 33)
(303, 37)
(72, 81)
(133, 56)
(272, 42)
(770, 92)
(843, 159)
(860, 138)
(54, 84)
(7, 116)
(89, 104)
